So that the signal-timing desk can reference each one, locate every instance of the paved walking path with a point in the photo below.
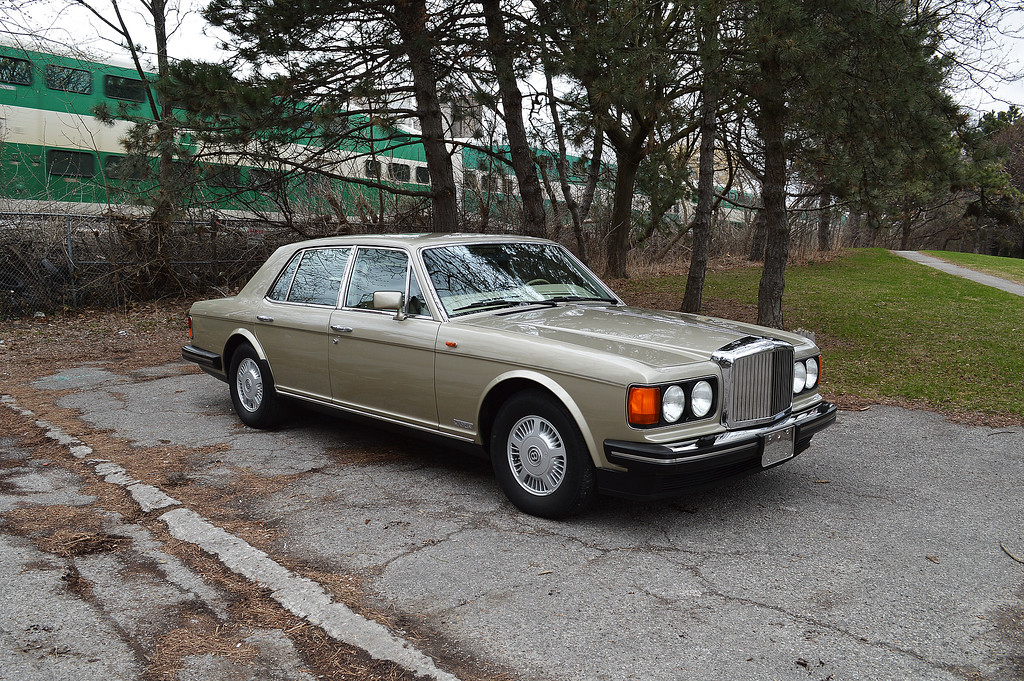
(956, 270)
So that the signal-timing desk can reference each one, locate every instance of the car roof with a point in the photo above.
(424, 240)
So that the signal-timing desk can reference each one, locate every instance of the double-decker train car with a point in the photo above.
(54, 153)
(58, 156)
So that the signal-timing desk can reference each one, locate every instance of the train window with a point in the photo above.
(422, 174)
(337, 127)
(372, 168)
(70, 163)
(122, 168)
(183, 172)
(68, 80)
(399, 171)
(130, 89)
(266, 180)
(17, 71)
(225, 177)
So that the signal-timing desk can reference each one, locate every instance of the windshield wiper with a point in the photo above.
(501, 302)
(577, 299)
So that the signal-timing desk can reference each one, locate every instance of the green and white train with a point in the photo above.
(57, 156)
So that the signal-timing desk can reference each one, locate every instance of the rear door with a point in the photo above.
(292, 323)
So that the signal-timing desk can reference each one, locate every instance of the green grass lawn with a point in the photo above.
(1008, 268)
(893, 330)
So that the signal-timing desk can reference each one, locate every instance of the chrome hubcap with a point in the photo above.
(249, 384)
(536, 455)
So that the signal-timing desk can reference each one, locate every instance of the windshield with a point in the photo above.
(475, 277)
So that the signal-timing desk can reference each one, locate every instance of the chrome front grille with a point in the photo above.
(758, 381)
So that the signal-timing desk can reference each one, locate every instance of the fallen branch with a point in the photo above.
(1007, 552)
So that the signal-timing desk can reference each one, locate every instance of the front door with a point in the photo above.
(382, 364)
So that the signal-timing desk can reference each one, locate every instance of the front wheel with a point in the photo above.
(539, 457)
(252, 390)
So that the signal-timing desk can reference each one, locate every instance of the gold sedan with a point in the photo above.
(512, 345)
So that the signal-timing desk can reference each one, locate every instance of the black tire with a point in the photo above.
(540, 459)
(252, 390)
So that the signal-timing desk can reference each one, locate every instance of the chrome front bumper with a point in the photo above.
(661, 470)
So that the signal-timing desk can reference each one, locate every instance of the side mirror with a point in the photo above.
(390, 300)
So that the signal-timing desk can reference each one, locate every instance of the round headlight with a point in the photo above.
(701, 399)
(812, 373)
(799, 377)
(673, 404)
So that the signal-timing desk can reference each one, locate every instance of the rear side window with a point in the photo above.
(70, 163)
(284, 280)
(16, 71)
(130, 89)
(318, 278)
(68, 80)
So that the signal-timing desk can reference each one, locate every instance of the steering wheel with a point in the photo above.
(534, 282)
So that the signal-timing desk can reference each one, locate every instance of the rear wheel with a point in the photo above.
(539, 457)
(252, 390)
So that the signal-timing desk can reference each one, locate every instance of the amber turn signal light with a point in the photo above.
(644, 406)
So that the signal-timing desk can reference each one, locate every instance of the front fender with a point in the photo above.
(521, 376)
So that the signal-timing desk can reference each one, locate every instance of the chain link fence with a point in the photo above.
(55, 262)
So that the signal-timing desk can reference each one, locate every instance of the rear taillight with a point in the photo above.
(190, 327)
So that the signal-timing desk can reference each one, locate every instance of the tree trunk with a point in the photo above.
(593, 175)
(771, 127)
(758, 237)
(702, 222)
(534, 223)
(169, 192)
(825, 222)
(622, 213)
(411, 16)
(854, 229)
(906, 225)
(563, 175)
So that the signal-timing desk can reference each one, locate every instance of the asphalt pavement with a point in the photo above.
(886, 551)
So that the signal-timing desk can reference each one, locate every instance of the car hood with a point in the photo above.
(655, 338)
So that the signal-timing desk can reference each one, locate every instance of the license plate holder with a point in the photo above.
(778, 446)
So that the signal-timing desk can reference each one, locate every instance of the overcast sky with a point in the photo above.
(194, 38)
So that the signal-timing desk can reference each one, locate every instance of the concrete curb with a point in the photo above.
(302, 597)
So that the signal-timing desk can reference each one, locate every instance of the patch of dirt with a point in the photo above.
(199, 633)
(122, 341)
(77, 584)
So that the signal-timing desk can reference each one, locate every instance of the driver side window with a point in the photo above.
(376, 269)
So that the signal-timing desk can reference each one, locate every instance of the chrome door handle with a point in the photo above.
(264, 318)
(341, 329)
